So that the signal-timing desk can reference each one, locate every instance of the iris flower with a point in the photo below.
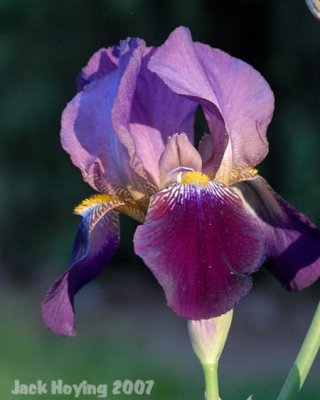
(208, 220)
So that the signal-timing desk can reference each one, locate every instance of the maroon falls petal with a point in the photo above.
(292, 240)
(201, 244)
(96, 241)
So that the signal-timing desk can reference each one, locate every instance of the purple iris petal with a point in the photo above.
(106, 157)
(96, 242)
(237, 101)
(292, 240)
(102, 63)
(201, 244)
(179, 153)
(151, 115)
(206, 150)
(116, 128)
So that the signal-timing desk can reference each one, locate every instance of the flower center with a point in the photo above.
(195, 177)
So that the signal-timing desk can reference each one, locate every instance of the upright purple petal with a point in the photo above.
(206, 151)
(96, 242)
(102, 63)
(201, 244)
(105, 155)
(237, 101)
(156, 113)
(179, 154)
(293, 241)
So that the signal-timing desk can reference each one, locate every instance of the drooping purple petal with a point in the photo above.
(201, 244)
(293, 241)
(152, 115)
(105, 156)
(95, 244)
(237, 101)
(179, 154)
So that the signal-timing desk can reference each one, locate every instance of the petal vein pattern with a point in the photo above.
(201, 244)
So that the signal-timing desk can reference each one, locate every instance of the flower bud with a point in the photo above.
(208, 337)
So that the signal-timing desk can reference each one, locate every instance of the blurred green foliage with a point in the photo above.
(111, 348)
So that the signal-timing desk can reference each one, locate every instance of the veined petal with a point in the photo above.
(293, 241)
(237, 101)
(201, 244)
(96, 241)
(129, 208)
(104, 152)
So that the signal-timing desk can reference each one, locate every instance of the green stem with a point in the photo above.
(304, 361)
(211, 381)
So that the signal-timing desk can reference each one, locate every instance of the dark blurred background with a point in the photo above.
(124, 327)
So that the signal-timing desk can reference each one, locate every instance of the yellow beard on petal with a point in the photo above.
(195, 177)
(93, 201)
(129, 208)
(253, 171)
